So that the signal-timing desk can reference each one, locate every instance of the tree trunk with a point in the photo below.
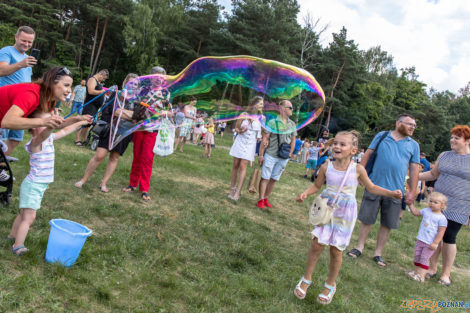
(199, 47)
(94, 44)
(101, 44)
(331, 93)
(80, 50)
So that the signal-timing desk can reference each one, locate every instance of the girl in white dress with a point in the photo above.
(244, 147)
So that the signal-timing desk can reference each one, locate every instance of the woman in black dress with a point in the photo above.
(103, 145)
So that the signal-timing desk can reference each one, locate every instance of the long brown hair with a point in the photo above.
(48, 80)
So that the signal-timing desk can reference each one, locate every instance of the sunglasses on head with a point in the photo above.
(64, 71)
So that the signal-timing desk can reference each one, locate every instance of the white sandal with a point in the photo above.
(232, 192)
(326, 299)
(415, 276)
(300, 290)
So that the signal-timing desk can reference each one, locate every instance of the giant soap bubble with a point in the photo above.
(224, 88)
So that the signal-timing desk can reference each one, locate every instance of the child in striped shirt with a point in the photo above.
(41, 174)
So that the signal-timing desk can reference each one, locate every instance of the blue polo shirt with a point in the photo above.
(392, 161)
(11, 56)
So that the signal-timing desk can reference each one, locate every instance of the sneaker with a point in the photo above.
(260, 204)
(266, 203)
(305, 176)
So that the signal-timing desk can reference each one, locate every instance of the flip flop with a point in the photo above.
(430, 276)
(145, 196)
(379, 259)
(354, 253)
(128, 189)
(444, 283)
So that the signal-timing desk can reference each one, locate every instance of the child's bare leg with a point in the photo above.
(14, 228)
(336, 259)
(434, 261)
(27, 218)
(420, 271)
(312, 258)
(210, 149)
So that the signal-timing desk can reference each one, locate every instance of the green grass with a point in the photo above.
(191, 249)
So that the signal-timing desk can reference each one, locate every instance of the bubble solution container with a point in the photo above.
(66, 240)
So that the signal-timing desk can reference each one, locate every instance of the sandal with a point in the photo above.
(103, 189)
(128, 189)
(379, 260)
(232, 192)
(300, 290)
(145, 196)
(354, 253)
(78, 184)
(415, 276)
(236, 196)
(10, 239)
(326, 299)
(20, 250)
(444, 283)
(430, 276)
(78, 143)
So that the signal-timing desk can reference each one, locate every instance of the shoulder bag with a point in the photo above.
(321, 212)
(283, 151)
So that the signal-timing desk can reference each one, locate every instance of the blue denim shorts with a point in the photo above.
(12, 134)
(273, 167)
(31, 194)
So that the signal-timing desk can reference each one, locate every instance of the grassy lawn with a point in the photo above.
(191, 249)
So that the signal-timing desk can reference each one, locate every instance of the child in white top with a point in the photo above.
(41, 154)
(432, 228)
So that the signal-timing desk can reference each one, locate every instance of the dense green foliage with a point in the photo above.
(364, 90)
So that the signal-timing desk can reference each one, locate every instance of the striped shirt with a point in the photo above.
(42, 163)
(454, 183)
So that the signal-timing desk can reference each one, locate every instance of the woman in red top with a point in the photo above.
(18, 101)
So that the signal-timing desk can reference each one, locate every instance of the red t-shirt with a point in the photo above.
(25, 96)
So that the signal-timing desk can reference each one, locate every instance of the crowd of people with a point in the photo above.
(392, 160)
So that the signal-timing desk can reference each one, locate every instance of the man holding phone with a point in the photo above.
(16, 67)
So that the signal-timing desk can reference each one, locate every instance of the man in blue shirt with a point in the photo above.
(15, 68)
(396, 154)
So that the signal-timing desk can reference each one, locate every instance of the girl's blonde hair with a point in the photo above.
(440, 197)
(354, 136)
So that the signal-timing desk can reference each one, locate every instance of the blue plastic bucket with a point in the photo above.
(66, 240)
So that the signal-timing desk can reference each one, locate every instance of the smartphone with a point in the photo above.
(35, 53)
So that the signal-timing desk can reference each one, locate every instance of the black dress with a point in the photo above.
(106, 115)
(92, 107)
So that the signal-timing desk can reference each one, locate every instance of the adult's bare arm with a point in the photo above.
(14, 119)
(8, 69)
(411, 194)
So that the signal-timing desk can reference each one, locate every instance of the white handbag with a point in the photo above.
(321, 212)
(165, 138)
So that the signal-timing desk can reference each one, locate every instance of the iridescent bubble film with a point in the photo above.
(224, 88)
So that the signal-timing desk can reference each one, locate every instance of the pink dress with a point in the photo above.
(338, 232)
